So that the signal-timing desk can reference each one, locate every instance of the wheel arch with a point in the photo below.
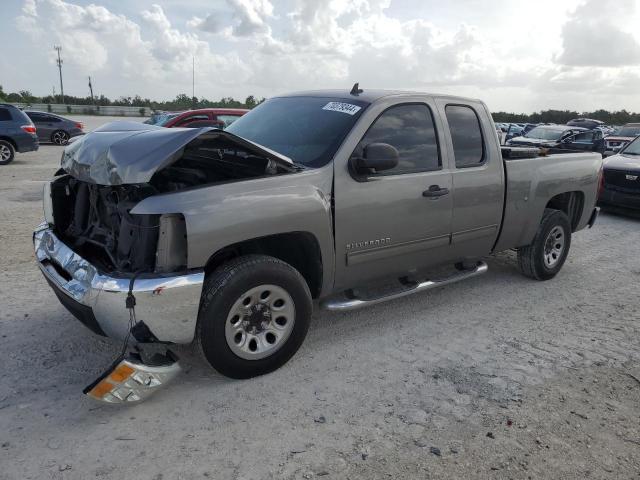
(571, 203)
(10, 140)
(299, 249)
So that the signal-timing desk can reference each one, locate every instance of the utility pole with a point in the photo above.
(59, 62)
(193, 81)
(91, 90)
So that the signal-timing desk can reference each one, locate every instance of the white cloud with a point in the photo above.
(586, 53)
(595, 35)
(248, 18)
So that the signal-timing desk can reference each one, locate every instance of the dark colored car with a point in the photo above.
(621, 187)
(205, 117)
(17, 133)
(514, 130)
(53, 128)
(623, 135)
(561, 139)
(587, 123)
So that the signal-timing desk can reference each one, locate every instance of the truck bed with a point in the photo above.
(531, 182)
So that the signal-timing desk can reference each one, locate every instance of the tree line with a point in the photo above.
(619, 117)
(181, 102)
(185, 102)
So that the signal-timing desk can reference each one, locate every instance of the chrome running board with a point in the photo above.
(345, 301)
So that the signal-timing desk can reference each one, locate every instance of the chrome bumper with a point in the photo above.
(168, 305)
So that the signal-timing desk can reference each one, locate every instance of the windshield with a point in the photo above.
(633, 148)
(546, 133)
(308, 130)
(162, 119)
(627, 132)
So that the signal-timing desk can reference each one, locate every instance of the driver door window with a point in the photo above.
(410, 129)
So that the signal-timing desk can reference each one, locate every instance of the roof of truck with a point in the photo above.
(369, 95)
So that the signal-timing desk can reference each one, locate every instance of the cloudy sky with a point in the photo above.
(517, 56)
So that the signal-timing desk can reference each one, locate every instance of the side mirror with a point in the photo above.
(376, 157)
(617, 149)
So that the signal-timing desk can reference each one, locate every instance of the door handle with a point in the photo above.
(435, 191)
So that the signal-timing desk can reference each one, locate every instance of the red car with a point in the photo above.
(204, 117)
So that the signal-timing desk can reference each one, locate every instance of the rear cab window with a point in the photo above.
(466, 136)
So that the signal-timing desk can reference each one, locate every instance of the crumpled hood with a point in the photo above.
(130, 152)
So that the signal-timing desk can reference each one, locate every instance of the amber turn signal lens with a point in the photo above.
(121, 373)
(100, 390)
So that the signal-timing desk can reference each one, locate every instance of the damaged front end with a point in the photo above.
(125, 275)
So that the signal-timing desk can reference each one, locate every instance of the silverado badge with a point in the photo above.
(369, 243)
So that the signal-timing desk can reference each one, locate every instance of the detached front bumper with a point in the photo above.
(166, 304)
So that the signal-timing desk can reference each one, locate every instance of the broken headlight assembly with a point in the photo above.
(130, 379)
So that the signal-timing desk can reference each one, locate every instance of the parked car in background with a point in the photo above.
(621, 137)
(621, 180)
(587, 123)
(607, 129)
(17, 133)
(551, 137)
(514, 130)
(205, 117)
(158, 118)
(54, 128)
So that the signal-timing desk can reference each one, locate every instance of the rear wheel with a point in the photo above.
(7, 152)
(254, 315)
(546, 254)
(60, 137)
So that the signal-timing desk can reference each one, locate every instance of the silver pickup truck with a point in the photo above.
(225, 238)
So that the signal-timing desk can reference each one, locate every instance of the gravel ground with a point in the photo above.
(496, 377)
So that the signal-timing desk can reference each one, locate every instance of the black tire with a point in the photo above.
(531, 259)
(6, 148)
(60, 137)
(227, 284)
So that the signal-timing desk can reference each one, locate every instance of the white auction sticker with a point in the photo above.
(347, 108)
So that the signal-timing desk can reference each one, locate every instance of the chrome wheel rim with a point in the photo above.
(5, 153)
(260, 322)
(60, 138)
(554, 246)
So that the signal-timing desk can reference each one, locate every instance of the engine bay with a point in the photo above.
(96, 220)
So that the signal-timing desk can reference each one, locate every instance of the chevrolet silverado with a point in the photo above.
(225, 238)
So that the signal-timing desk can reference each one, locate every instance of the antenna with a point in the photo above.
(356, 90)
(58, 48)
(193, 81)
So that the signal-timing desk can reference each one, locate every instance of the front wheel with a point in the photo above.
(7, 152)
(60, 137)
(254, 315)
(545, 256)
